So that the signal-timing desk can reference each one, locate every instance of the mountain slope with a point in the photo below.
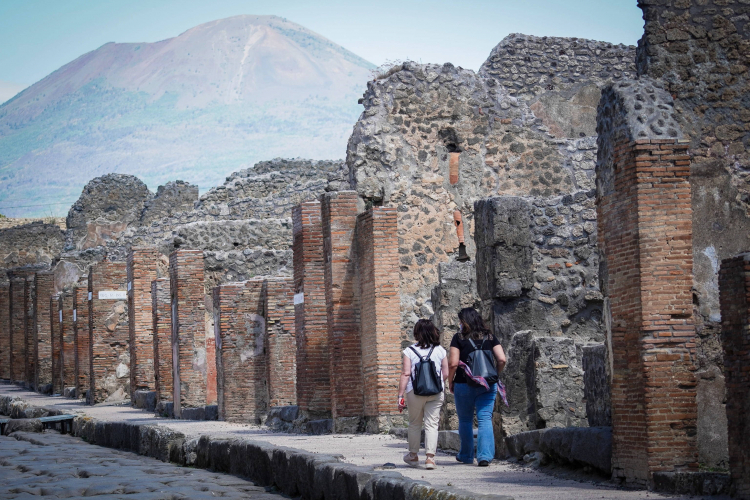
(220, 96)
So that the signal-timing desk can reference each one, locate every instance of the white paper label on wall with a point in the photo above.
(89, 295)
(299, 298)
(130, 285)
(75, 316)
(113, 295)
(60, 315)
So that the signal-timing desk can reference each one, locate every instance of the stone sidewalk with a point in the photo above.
(369, 452)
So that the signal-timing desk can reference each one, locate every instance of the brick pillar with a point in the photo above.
(734, 293)
(645, 230)
(380, 311)
(17, 338)
(29, 294)
(54, 333)
(68, 341)
(161, 317)
(188, 328)
(281, 342)
(311, 321)
(141, 272)
(45, 288)
(82, 337)
(240, 358)
(108, 332)
(339, 221)
(4, 331)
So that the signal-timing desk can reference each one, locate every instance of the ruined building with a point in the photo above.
(601, 189)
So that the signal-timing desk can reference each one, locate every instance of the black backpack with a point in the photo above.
(425, 380)
(482, 363)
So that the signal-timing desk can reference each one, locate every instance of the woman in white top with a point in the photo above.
(423, 408)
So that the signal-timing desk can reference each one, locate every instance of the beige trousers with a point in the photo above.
(427, 409)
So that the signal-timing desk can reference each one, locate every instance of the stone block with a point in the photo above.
(145, 400)
(23, 425)
(693, 483)
(596, 386)
(317, 427)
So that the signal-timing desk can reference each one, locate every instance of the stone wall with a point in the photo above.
(35, 245)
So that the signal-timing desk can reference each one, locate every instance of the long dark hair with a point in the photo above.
(472, 324)
(426, 334)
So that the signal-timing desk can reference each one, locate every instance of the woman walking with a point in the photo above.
(475, 348)
(425, 366)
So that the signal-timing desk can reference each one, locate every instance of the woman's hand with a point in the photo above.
(401, 403)
(450, 386)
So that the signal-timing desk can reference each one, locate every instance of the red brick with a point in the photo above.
(67, 339)
(142, 264)
(5, 331)
(281, 342)
(162, 342)
(17, 322)
(82, 337)
(45, 288)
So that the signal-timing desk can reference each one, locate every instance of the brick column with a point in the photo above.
(68, 363)
(380, 322)
(29, 293)
(188, 328)
(82, 337)
(645, 229)
(54, 333)
(108, 332)
(339, 221)
(45, 288)
(141, 272)
(311, 321)
(281, 342)
(5, 331)
(734, 292)
(240, 358)
(161, 317)
(17, 338)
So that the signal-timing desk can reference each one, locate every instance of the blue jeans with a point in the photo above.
(467, 399)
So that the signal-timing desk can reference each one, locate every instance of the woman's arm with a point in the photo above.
(453, 359)
(499, 357)
(405, 375)
(444, 368)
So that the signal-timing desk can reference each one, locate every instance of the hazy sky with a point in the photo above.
(39, 36)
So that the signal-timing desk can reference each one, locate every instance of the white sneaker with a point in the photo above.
(411, 462)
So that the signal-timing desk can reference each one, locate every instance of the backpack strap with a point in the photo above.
(423, 358)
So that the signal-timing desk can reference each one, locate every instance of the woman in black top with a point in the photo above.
(469, 395)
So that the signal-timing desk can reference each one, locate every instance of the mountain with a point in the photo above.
(9, 89)
(217, 98)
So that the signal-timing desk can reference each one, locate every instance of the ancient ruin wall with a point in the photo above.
(533, 138)
(161, 318)
(35, 245)
(82, 337)
(4, 331)
(44, 290)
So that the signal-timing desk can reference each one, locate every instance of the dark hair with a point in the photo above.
(426, 334)
(473, 325)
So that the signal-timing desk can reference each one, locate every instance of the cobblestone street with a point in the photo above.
(52, 465)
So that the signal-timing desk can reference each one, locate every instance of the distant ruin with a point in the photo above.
(602, 189)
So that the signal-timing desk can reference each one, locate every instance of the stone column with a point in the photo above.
(281, 342)
(109, 351)
(142, 263)
(82, 337)
(240, 356)
(339, 221)
(5, 331)
(45, 288)
(188, 329)
(645, 235)
(17, 338)
(162, 325)
(55, 344)
(68, 352)
(311, 322)
(380, 320)
(734, 291)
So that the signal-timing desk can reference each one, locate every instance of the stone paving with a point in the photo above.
(53, 465)
(372, 450)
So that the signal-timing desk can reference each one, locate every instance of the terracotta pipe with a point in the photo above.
(453, 168)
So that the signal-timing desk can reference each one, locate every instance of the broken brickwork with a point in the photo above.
(142, 271)
(109, 353)
(68, 351)
(45, 288)
(54, 320)
(339, 221)
(161, 318)
(281, 342)
(734, 289)
(240, 328)
(188, 328)
(380, 329)
(4, 331)
(17, 338)
(29, 293)
(645, 237)
(82, 337)
(311, 321)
